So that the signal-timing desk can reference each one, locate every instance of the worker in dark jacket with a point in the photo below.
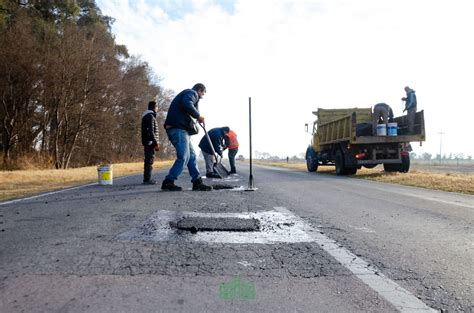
(216, 135)
(410, 107)
(180, 126)
(233, 145)
(382, 111)
(149, 140)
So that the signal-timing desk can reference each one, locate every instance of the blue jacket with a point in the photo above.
(411, 100)
(182, 108)
(217, 138)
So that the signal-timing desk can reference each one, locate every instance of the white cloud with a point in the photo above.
(292, 57)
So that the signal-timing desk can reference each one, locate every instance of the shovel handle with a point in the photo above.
(209, 141)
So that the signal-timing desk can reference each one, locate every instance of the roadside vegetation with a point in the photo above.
(21, 183)
(72, 97)
(448, 181)
(69, 93)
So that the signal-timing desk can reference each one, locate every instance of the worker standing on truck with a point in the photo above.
(381, 111)
(410, 107)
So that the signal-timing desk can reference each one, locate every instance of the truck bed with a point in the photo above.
(343, 129)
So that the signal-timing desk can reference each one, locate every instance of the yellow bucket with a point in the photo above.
(106, 176)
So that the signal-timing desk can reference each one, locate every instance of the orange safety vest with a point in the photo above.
(233, 143)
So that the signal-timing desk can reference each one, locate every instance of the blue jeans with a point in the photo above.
(185, 155)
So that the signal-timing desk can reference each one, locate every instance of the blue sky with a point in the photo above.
(177, 9)
(293, 57)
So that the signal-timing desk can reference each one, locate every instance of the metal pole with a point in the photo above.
(250, 185)
(440, 145)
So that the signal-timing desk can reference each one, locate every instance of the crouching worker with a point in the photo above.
(180, 126)
(233, 145)
(149, 141)
(382, 111)
(216, 135)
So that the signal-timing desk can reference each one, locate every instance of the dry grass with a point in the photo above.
(462, 183)
(28, 182)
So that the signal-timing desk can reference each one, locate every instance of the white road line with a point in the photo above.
(399, 297)
(55, 192)
(44, 194)
(434, 199)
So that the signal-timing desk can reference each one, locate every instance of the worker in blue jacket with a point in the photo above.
(180, 125)
(216, 135)
(410, 107)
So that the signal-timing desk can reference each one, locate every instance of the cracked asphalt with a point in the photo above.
(61, 252)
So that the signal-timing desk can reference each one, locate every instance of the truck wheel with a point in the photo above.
(405, 166)
(311, 160)
(340, 164)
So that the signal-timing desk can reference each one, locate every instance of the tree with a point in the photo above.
(426, 156)
(20, 82)
(67, 89)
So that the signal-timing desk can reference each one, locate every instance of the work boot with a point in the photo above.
(232, 172)
(168, 185)
(149, 182)
(198, 185)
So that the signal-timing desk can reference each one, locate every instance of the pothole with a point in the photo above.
(222, 186)
(264, 227)
(195, 224)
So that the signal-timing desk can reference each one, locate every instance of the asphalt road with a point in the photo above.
(326, 244)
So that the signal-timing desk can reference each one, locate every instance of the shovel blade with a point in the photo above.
(220, 170)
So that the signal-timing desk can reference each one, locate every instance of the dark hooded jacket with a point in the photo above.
(150, 131)
(217, 138)
(182, 108)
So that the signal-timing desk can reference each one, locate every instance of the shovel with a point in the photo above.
(218, 167)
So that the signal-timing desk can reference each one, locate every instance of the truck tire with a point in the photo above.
(405, 166)
(340, 164)
(311, 160)
(341, 168)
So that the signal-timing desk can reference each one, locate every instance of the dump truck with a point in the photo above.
(344, 138)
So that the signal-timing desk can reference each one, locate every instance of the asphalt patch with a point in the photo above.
(273, 227)
(195, 224)
(222, 186)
